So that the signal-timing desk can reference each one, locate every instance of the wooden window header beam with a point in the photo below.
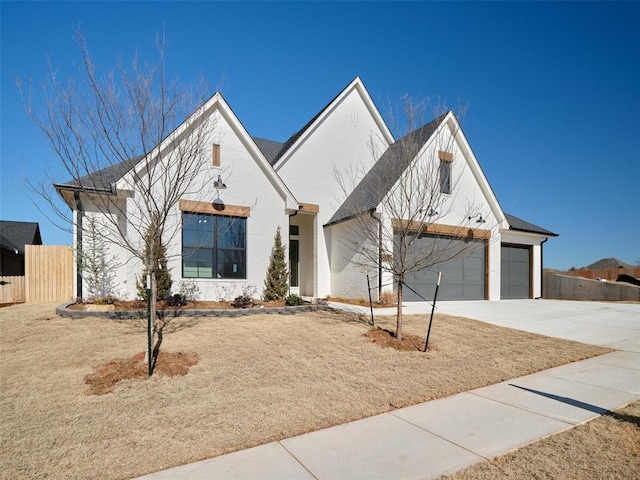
(440, 229)
(214, 208)
(308, 208)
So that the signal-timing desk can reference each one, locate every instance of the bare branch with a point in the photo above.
(411, 192)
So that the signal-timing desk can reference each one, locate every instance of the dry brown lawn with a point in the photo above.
(607, 447)
(257, 379)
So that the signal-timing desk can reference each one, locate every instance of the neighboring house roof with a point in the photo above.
(604, 263)
(384, 174)
(15, 235)
(516, 223)
(269, 148)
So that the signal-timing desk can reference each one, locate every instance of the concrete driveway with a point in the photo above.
(615, 325)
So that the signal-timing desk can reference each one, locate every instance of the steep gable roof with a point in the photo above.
(15, 235)
(104, 180)
(520, 225)
(384, 174)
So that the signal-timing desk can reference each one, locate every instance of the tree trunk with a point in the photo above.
(154, 309)
(399, 311)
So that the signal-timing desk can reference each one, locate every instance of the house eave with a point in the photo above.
(64, 190)
(350, 217)
(532, 232)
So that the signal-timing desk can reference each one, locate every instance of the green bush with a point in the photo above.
(176, 300)
(293, 300)
(242, 301)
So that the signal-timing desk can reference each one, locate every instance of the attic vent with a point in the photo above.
(215, 152)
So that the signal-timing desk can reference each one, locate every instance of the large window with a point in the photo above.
(213, 246)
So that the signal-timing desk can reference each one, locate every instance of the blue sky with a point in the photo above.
(553, 90)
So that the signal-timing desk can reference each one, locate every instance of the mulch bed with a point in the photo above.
(387, 339)
(105, 377)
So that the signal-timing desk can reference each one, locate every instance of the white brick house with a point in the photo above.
(225, 236)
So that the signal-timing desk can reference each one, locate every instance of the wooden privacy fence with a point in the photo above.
(12, 290)
(48, 273)
(609, 274)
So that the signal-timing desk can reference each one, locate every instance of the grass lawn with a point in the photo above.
(257, 379)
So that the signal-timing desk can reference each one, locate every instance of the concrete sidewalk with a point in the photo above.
(441, 436)
(446, 435)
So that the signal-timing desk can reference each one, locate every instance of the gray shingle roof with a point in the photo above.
(15, 235)
(102, 179)
(269, 148)
(385, 172)
(516, 223)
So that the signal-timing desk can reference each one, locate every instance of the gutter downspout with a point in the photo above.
(542, 268)
(372, 214)
(78, 202)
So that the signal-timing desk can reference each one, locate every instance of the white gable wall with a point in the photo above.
(337, 142)
(470, 196)
(249, 184)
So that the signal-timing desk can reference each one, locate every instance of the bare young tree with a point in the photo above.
(411, 191)
(122, 139)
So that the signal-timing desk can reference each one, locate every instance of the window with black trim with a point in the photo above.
(445, 176)
(213, 246)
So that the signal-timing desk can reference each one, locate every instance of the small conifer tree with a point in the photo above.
(163, 277)
(98, 268)
(276, 282)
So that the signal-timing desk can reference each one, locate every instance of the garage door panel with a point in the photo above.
(474, 291)
(519, 270)
(462, 278)
(515, 272)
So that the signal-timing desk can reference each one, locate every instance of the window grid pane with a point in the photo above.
(213, 246)
(445, 176)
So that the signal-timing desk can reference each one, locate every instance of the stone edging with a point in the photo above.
(64, 311)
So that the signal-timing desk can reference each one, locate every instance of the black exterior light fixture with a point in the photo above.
(432, 212)
(218, 184)
(479, 218)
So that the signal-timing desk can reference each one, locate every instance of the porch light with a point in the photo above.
(432, 212)
(218, 184)
(479, 218)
